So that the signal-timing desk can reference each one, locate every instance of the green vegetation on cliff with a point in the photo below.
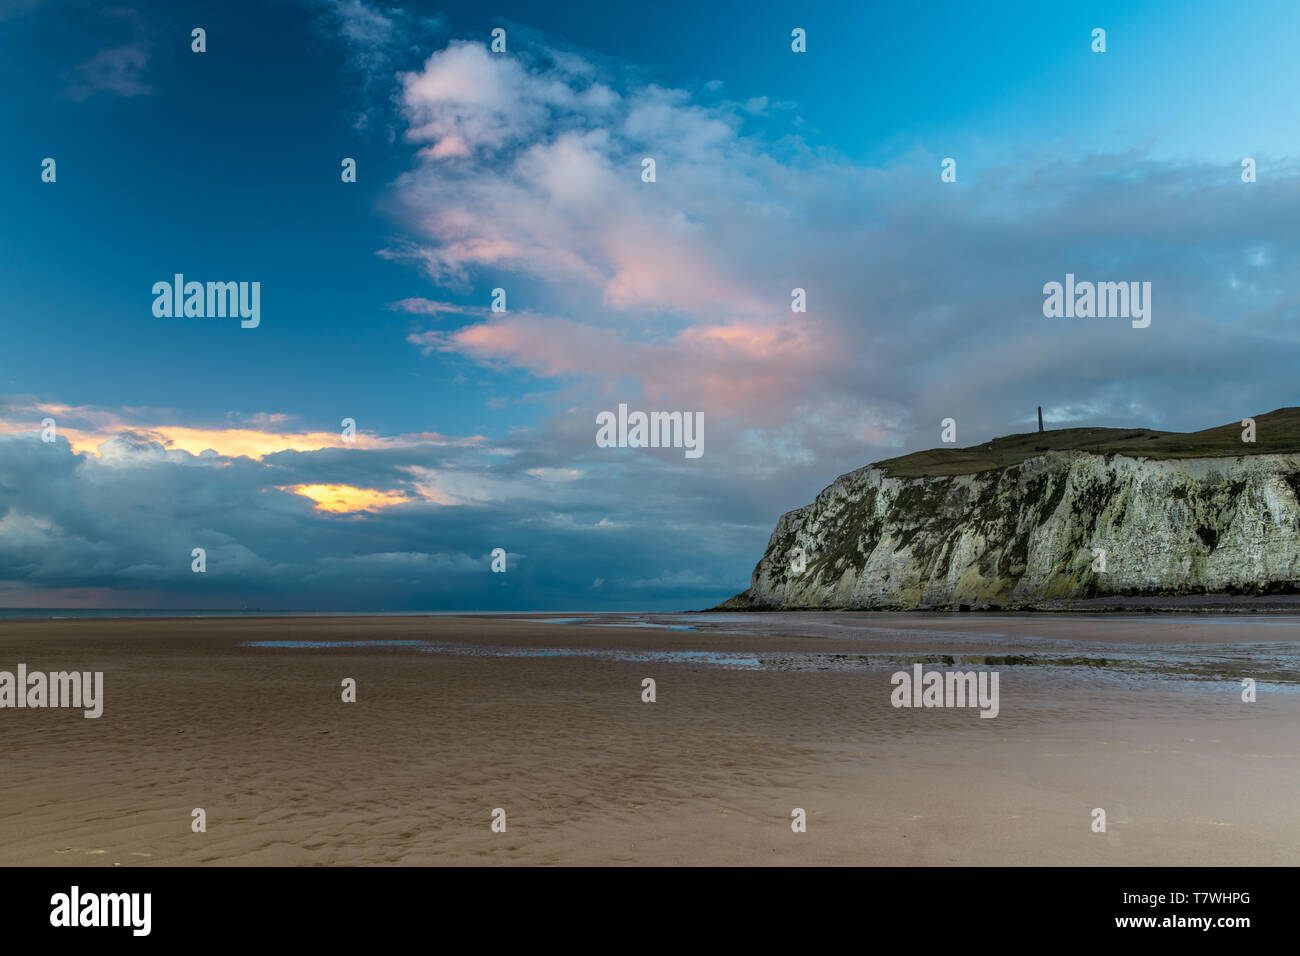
(1277, 433)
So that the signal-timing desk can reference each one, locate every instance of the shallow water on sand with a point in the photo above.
(1274, 664)
(715, 658)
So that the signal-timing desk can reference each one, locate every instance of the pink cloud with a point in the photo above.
(533, 168)
(733, 369)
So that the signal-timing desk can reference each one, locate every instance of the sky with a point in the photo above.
(522, 170)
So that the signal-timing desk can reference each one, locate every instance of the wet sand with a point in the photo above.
(756, 715)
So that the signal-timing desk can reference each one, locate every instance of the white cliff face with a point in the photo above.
(1028, 532)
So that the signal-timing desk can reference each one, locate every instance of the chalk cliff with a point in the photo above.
(1031, 530)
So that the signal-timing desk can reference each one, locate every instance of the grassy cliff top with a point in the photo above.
(1278, 432)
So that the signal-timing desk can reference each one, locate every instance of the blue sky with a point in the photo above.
(522, 171)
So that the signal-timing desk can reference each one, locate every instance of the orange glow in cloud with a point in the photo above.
(227, 442)
(233, 442)
(344, 499)
(101, 425)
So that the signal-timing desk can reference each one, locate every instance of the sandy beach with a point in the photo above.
(756, 715)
